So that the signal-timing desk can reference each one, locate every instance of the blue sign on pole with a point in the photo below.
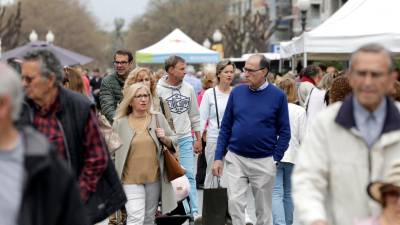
(275, 48)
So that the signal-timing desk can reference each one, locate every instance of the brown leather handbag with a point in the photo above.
(171, 164)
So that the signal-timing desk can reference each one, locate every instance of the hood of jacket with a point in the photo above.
(163, 82)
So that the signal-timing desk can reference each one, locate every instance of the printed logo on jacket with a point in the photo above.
(178, 103)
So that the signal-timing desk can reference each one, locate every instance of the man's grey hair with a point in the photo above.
(49, 64)
(376, 49)
(10, 85)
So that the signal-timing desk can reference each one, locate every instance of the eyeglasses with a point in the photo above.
(247, 70)
(141, 96)
(120, 62)
(27, 79)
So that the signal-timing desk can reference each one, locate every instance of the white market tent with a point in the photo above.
(177, 43)
(356, 23)
(269, 55)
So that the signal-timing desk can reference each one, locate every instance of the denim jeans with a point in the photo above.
(186, 158)
(282, 205)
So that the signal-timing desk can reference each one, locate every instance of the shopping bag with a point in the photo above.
(215, 204)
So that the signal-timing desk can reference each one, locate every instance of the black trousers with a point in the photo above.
(201, 167)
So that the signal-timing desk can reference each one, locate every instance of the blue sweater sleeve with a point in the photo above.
(225, 131)
(283, 129)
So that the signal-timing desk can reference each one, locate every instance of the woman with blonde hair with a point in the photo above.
(140, 160)
(282, 205)
(145, 76)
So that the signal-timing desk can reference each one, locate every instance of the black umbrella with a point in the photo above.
(65, 56)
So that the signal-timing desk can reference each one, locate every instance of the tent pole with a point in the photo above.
(280, 65)
(305, 59)
(293, 63)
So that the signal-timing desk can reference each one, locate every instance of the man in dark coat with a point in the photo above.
(37, 187)
(69, 122)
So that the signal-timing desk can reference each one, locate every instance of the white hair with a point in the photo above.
(10, 85)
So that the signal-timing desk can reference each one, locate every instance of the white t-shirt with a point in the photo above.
(208, 112)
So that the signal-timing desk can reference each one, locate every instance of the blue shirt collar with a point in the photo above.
(362, 114)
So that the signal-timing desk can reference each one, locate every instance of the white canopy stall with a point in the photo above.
(356, 23)
(177, 43)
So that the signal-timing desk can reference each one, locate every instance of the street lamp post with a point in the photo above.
(207, 43)
(33, 36)
(50, 37)
(217, 43)
(304, 6)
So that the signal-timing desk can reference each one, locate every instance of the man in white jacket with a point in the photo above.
(182, 101)
(349, 144)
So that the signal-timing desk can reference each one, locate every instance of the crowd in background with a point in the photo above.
(256, 130)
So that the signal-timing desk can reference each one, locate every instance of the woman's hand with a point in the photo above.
(160, 133)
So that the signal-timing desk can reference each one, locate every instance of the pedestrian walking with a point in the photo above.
(212, 109)
(282, 204)
(69, 122)
(140, 161)
(310, 77)
(255, 133)
(181, 99)
(37, 187)
(207, 81)
(144, 75)
(111, 86)
(349, 144)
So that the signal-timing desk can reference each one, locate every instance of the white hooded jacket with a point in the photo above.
(182, 102)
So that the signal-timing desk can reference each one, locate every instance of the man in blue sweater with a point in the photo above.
(254, 134)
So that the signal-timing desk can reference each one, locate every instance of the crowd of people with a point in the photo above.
(321, 147)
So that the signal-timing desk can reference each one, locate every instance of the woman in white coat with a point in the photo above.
(282, 205)
(212, 109)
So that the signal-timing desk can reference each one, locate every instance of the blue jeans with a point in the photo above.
(282, 205)
(186, 158)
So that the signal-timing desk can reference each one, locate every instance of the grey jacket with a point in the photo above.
(121, 126)
(110, 95)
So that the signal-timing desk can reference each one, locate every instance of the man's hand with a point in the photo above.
(197, 146)
(319, 222)
(217, 168)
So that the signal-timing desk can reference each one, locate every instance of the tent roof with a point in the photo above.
(356, 23)
(65, 56)
(177, 43)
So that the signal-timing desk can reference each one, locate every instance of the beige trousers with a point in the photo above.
(241, 172)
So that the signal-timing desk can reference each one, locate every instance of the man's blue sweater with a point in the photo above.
(255, 124)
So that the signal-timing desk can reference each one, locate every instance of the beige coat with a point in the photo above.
(334, 166)
(126, 133)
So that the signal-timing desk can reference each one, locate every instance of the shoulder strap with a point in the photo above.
(308, 100)
(216, 106)
(162, 106)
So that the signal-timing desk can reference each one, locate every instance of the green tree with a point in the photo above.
(74, 27)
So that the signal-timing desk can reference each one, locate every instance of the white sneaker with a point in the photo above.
(197, 219)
